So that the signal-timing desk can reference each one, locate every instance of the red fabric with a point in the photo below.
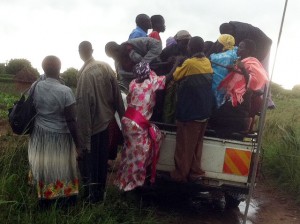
(155, 35)
(235, 84)
(137, 117)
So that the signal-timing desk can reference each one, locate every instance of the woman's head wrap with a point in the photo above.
(227, 41)
(142, 71)
(170, 41)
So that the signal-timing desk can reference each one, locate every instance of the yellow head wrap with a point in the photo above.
(227, 41)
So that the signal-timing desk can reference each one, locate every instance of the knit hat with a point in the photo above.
(170, 41)
(142, 71)
(227, 41)
(182, 35)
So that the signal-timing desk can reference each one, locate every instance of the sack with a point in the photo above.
(21, 115)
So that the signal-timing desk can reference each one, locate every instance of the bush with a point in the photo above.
(69, 77)
(296, 90)
(283, 159)
(2, 68)
(27, 75)
(281, 143)
(16, 65)
(6, 79)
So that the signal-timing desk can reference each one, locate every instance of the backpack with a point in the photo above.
(21, 116)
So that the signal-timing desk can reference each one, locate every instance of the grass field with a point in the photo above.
(18, 202)
(282, 143)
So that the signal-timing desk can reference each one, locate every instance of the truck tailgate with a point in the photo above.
(222, 159)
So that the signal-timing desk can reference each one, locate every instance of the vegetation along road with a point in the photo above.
(274, 201)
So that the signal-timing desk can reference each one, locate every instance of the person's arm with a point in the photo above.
(154, 50)
(118, 101)
(85, 110)
(169, 78)
(135, 57)
(178, 62)
(241, 66)
(70, 116)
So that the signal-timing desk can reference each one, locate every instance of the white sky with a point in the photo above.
(32, 29)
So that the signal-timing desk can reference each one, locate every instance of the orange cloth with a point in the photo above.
(235, 84)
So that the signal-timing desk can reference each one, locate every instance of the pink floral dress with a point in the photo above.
(138, 151)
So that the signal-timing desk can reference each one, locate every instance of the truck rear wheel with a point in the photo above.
(231, 201)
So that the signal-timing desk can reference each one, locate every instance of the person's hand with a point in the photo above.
(180, 60)
(230, 68)
(171, 60)
(240, 65)
(242, 68)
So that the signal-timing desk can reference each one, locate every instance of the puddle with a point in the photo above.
(252, 211)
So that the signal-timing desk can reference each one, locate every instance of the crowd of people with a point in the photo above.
(191, 83)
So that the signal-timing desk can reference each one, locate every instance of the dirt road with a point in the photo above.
(268, 206)
(273, 206)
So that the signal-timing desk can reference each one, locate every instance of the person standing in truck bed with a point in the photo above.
(143, 23)
(130, 53)
(193, 108)
(248, 77)
(158, 25)
(241, 31)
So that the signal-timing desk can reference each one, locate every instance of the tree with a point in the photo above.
(276, 89)
(27, 75)
(69, 77)
(16, 65)
(2, 68)
(296, 88)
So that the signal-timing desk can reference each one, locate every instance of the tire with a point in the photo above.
(231, 201)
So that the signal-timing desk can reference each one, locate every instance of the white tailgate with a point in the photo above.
(213, 156)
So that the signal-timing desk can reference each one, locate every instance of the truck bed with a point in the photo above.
(225, 161)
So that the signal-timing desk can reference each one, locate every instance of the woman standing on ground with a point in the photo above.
(51, 149)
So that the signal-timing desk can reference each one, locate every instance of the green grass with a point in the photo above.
(6, 76)
(281, 143)
(18, 200)
(9, 88)
(6, 102)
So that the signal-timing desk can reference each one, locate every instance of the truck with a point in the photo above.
(228, 163)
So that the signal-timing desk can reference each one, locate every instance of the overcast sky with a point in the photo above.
(32, 29)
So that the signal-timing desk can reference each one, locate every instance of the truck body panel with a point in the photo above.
(224, 161)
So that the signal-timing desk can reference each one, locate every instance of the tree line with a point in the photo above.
(22, 70)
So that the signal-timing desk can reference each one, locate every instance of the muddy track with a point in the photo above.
(268, 206)
(274, 206)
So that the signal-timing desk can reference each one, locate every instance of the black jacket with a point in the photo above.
(194, 98)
